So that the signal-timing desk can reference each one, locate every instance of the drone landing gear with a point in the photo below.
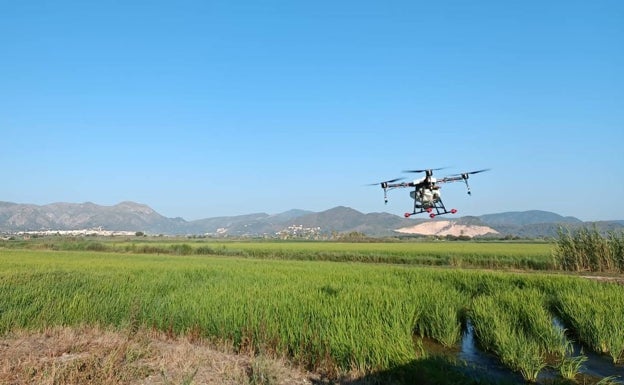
(437, 206)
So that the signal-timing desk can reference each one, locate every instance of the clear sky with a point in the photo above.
(209, 108)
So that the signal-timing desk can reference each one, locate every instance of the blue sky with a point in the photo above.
(210, 108)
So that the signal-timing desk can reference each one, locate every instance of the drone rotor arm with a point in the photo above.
(450, 179)
(389, 185)
(399, 185)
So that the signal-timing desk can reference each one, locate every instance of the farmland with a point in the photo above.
(311, 303)
(498, 255)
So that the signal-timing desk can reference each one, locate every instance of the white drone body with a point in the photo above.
(427, 195)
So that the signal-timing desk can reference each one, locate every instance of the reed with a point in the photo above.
(588, 250)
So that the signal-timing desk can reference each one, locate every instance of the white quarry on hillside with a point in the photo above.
(444, 228)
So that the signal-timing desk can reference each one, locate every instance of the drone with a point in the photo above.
(426, 190)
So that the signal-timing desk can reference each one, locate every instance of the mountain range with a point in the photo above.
(131, 216)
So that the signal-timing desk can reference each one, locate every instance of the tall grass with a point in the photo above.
(588, 250)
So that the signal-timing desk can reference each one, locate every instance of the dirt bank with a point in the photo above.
(95, 356)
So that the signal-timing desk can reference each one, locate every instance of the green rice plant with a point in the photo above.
(496, 333)
(526, 308)
(535, 256)
(332, 317)
(594, 313)
(321, 315)
(569, 367)
(520, 352)
(440, 315)
(531, 309)
(515, 325)
(611, 380)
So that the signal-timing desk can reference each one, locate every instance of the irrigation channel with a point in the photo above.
(479, 362)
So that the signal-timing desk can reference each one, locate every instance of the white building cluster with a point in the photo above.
(299, 231)
(82, 232)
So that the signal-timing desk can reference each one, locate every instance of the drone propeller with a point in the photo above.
(385, 182)
(465, 174)
(384, 186)
(478, 171)
(424, 170)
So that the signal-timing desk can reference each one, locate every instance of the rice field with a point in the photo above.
(331, 317)
(492, 255)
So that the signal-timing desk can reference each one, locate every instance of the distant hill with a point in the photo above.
(529, 224)
(235, 225)
(130, 216)
(73, 216)
(521, 218)
(290, 214)
(345, 219)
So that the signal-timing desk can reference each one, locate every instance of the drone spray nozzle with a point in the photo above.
(467, 186)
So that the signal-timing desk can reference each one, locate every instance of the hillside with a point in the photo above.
(522, 218)
(130, 216)
(74, 216)
(345, 219)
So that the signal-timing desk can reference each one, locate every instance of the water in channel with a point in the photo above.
(482, 364)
